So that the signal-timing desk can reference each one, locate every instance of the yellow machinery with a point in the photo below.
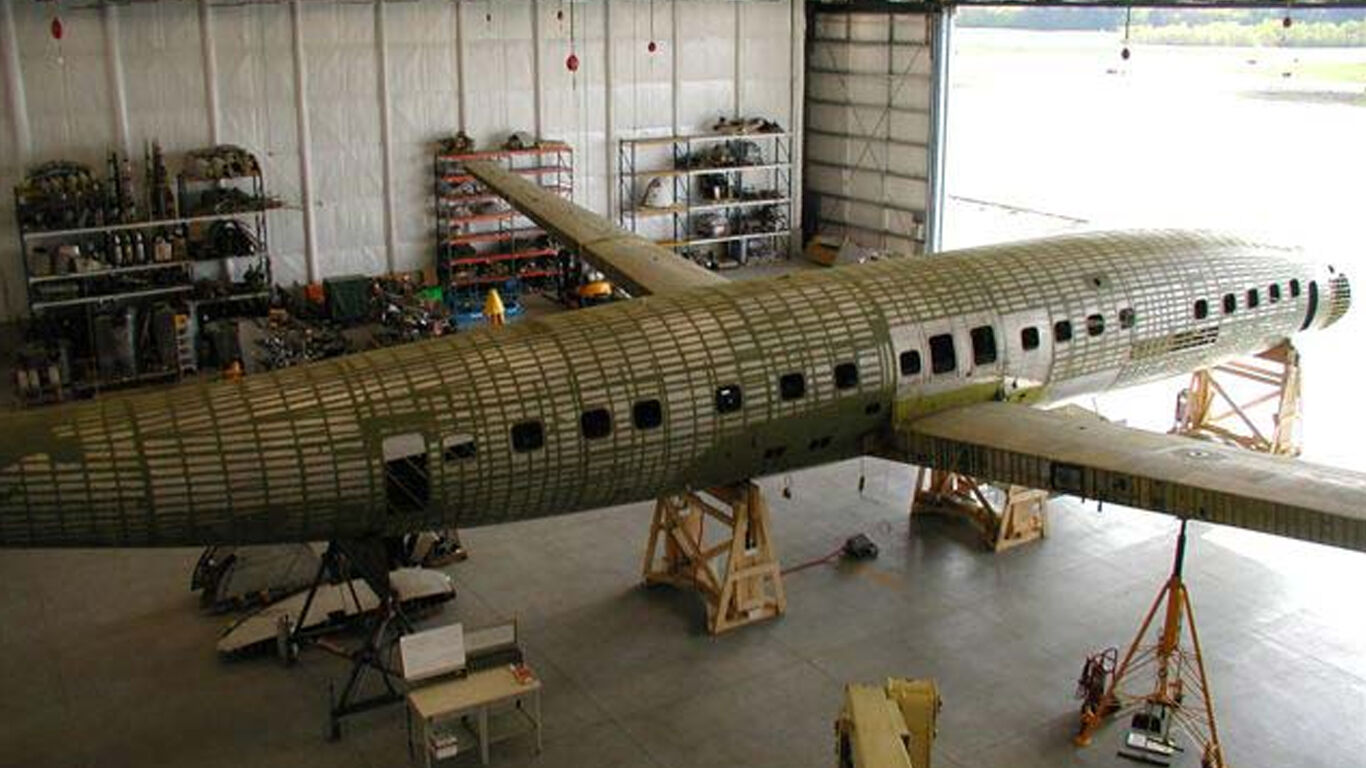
(891, 726)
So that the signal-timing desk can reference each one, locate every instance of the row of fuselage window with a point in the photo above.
(944, 359)
(1252, 300)
(596, 423)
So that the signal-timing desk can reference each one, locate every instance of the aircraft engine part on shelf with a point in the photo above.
(658, 194)
(712, 225)
(228, 238)
(224, 161)
(713, 186)
(521, 140)
(727, 154)
(743, 125)
(61, 194)
(459, 144)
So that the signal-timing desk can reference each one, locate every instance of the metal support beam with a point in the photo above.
(209, 50)
(865, 137)
(305, 137)
(118, 94)
(940, 56)
(386, 139)
(865, 169)
(883, 204)
(866, 105)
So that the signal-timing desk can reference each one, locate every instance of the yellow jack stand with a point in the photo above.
(1270, 377)
(1177, 669)
(746, 587)
(1021, 516)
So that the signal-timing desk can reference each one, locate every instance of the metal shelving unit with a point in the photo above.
(725, 189)
(100, 266)
(480, 240)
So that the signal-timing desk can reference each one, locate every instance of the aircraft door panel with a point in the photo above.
(1028, 344)
(909, 361)
(980, 352)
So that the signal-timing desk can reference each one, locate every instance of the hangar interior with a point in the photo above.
(351, 117)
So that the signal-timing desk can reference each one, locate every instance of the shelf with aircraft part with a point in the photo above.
(723, 198)
(480, 239)
(122, 264)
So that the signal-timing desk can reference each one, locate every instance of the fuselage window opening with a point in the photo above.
(407, 487)
(528, 436)
(791, 386)
(910, 362)
(1062, 330)
(818, 443)
(1095, 325)
(1201, 309)
(1230, 303)
(942, 357)
(846, 376)
(1273, 292)
(647, 414)
(1294, 289)
(1126, 318)
(457, 448)
(1029, 338)
(1252, 298)
(729, 398)
(596, 423)
(1313, 307)
(983, 345)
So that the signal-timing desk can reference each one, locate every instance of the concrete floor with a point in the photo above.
(105, 659)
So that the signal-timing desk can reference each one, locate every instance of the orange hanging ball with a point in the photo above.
(572, 62)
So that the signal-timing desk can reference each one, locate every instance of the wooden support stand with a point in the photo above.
(1179, 673)
(738, 575)
(1232, 403)
(1021, 516)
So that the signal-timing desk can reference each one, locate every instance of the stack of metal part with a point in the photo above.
(288, 341)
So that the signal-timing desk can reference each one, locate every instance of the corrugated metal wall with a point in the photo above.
(869, 111)
(377, 83)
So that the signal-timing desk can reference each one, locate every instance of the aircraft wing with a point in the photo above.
(631, 261)
(1094, 459)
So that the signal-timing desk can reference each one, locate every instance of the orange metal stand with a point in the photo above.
(1176, 669)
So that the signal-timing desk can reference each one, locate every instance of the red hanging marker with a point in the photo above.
(56, 28)
(572, 62)
(652, 47)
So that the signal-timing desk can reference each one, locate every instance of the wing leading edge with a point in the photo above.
(1187, 478)
(631, 261)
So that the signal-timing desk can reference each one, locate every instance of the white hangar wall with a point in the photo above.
(343, 101)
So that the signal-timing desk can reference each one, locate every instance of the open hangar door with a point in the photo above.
(873, 123)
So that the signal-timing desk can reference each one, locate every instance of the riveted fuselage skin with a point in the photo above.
(307, 453)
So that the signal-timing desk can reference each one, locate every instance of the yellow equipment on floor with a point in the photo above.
(892, 726)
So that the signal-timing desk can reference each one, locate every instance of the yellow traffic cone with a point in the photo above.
(493, 308)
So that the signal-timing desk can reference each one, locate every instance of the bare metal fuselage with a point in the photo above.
(506, 424)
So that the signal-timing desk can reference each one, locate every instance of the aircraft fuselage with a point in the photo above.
(629, 401)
